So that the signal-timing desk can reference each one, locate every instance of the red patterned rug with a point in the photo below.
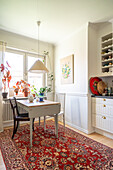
(70, 151)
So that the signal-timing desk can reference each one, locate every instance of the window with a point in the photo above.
(20, 63)
(16, 63)
(34, 78)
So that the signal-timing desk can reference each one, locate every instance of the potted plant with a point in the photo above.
(42, 91)
(5, 79)
(22, 86)
(34, 91)
(16, 90)
(26, 91)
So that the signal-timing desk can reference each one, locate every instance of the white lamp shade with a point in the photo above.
(38, 67)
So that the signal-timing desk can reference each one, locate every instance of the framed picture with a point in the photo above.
(67, 69)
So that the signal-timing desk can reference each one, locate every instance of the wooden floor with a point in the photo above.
(99, 138)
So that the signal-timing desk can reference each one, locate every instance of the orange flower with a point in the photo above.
(22, 86)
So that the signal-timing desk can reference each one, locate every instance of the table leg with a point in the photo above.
(31, 123)
(56, 125)
(39, 121)
(44, 122)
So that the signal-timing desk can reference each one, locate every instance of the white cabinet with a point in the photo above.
(102, 114)
(107, 54)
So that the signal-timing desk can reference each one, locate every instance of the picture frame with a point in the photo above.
(67, 69)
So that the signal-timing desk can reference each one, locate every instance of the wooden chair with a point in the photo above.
(60, 97)
(17, 116)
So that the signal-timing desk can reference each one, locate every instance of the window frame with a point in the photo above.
(26, 54)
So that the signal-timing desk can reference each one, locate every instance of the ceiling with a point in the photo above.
(59, 18)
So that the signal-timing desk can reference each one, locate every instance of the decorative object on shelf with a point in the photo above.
(101, 87)
(5, 79)
(110, 57)
(67, 69)
(22, 86)
(93, 85)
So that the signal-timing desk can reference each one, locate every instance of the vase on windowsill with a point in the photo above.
(4, 95)
(25, 93)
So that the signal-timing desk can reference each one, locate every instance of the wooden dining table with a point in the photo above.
(38, 109)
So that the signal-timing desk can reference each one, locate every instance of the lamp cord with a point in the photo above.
(38, 23)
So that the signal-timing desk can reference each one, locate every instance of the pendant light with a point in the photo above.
(38, 66)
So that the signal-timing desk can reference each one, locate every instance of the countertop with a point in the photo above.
(107, 97)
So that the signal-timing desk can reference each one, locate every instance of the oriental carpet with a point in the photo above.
(70, 151)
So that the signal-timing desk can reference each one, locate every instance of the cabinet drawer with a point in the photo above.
(102, 109)
(102, 122)
(102, 101)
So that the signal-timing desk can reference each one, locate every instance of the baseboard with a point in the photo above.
(8, 123)
(77, 127)
(11, 123)
(91, 130)
(104, 133)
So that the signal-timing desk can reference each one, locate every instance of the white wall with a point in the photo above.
(77, 45)
(77, 93)
(29, 44)
(92, 50)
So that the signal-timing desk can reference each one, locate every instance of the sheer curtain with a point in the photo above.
(2, 53)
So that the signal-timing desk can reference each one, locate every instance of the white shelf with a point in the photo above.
(106, 60)
(107, 66)
(110, 39)
(107, 47)
(106, 51)
(107, 54)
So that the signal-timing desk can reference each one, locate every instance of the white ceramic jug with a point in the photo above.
(31, 98)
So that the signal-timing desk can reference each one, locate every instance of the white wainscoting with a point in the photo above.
(76, 111)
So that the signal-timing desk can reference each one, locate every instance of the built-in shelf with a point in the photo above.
(107, 60)
(107, 48)
(107, 66)
(107, 54)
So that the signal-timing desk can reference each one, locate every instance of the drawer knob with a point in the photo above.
(104, 99)
(103, 117)
(104, 105)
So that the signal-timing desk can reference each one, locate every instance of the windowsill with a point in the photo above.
(17, 97)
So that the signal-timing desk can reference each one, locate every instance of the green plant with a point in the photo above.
(50, 76)
(34, 90)
(44, 89)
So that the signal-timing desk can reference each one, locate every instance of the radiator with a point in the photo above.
(7, 111)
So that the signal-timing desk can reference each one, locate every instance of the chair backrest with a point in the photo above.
(14, 107)
(60, 97)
